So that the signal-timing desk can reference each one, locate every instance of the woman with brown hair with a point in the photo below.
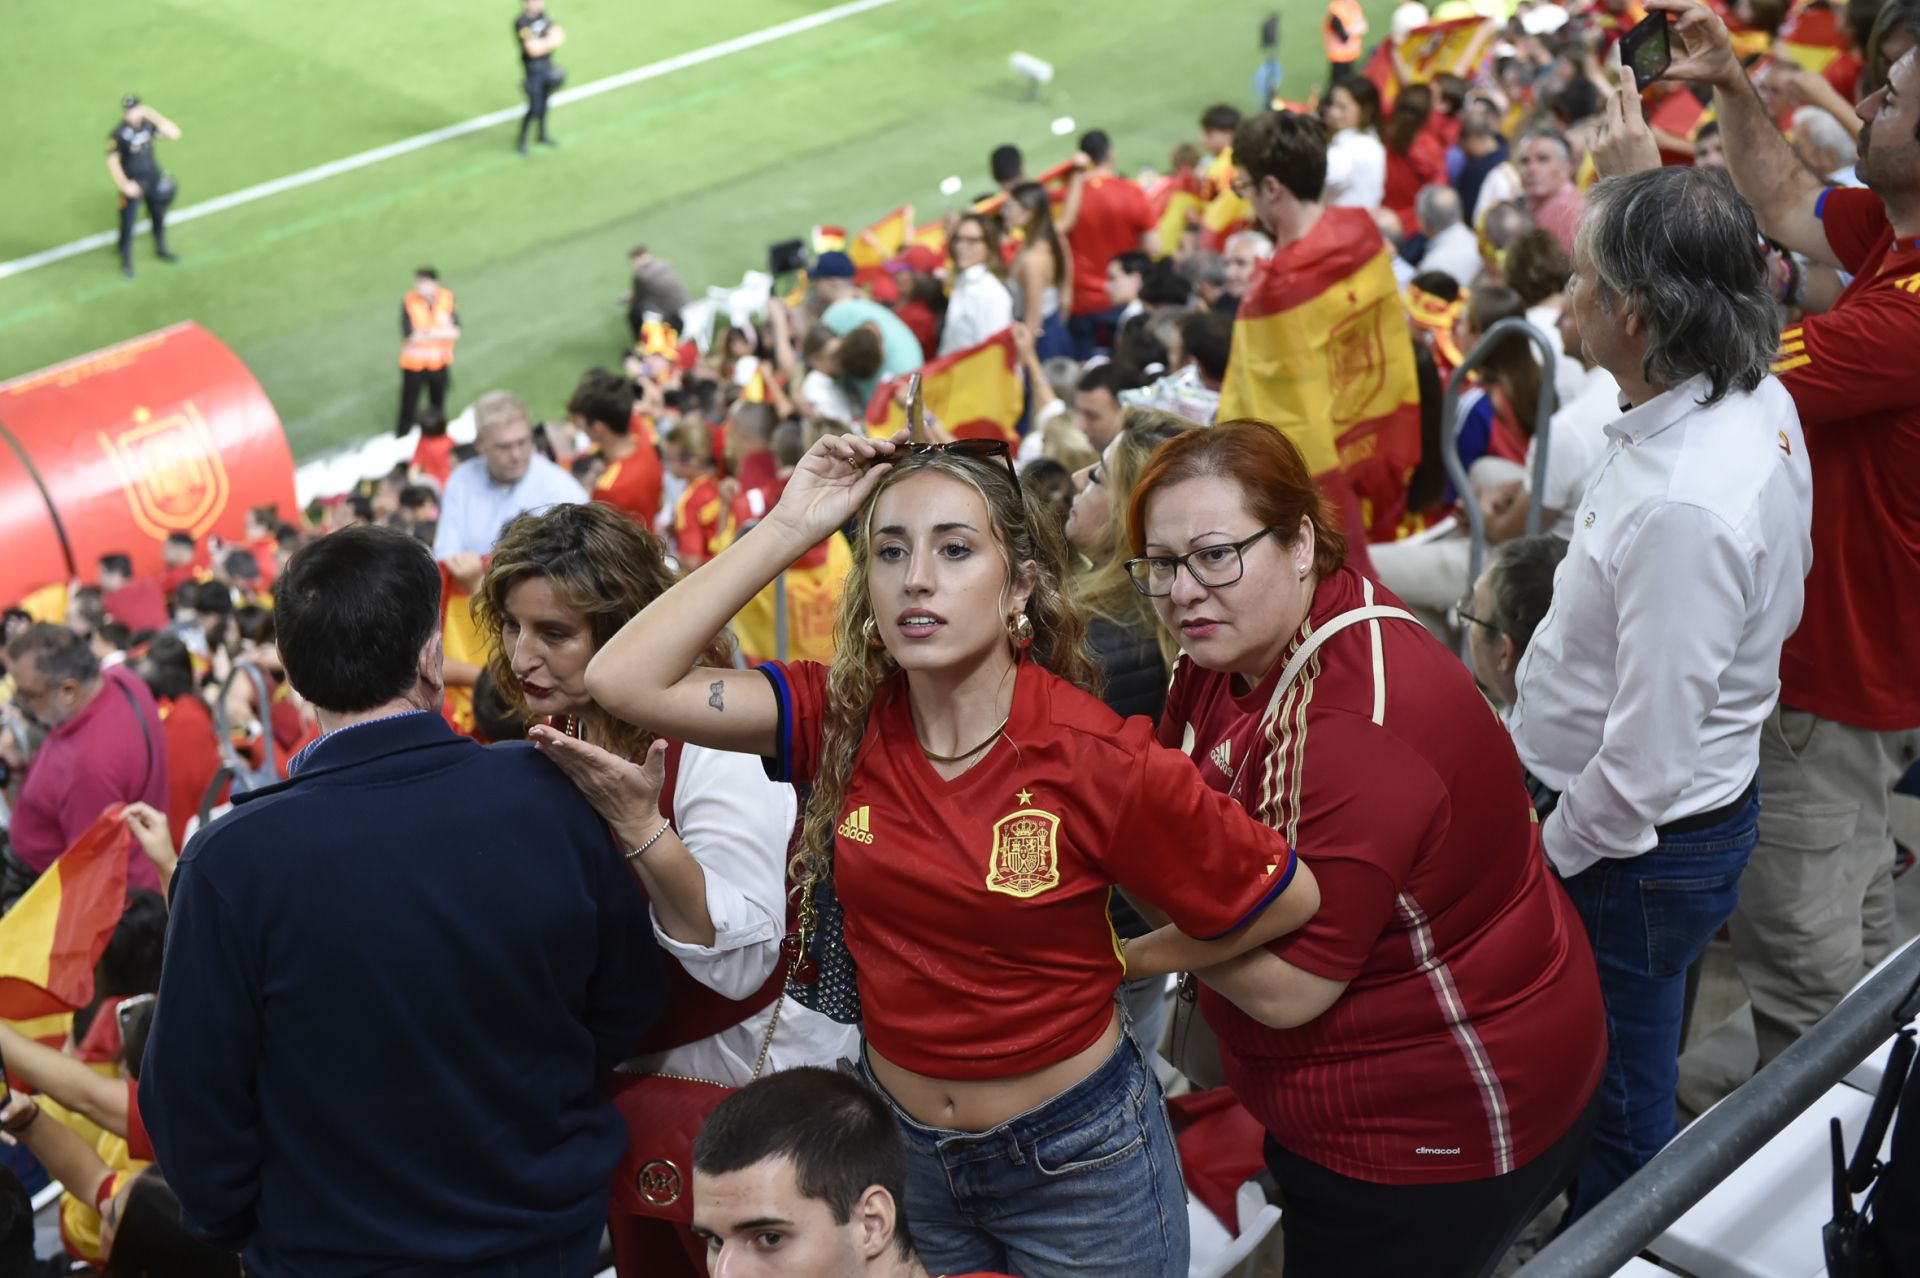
(1042, 270)
(1415, 158)
(950, 746)
(978, 303)
(1422, 1053)
(709, 833)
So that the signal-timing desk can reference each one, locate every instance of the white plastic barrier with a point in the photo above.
(1764, 1220)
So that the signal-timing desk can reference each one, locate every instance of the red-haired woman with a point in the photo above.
(1422, 1053)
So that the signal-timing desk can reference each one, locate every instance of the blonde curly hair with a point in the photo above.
(858, 670)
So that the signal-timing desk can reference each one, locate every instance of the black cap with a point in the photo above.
(129, 102)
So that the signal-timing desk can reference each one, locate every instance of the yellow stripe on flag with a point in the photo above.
(1788, 365)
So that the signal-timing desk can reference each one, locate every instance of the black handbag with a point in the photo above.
(821, 975)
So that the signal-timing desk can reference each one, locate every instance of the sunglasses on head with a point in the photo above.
(981, 450)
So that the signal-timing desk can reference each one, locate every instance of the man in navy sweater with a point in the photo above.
(393, 981)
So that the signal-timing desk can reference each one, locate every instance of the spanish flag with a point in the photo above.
(462, 640)
(1423, 54)
(975, 393)
(883, 240)
(1811, 36)
(51, 939)
(813, 585)
(932, 236)
(1321, 351)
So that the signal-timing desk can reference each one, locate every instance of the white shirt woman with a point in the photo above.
(979, 304)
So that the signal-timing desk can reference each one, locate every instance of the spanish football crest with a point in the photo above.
(1026, 851)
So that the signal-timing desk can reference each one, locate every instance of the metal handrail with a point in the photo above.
(1705, 1154)
(1450, 440)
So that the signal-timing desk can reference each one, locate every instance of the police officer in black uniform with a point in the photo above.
(136, 172)
(539, 35)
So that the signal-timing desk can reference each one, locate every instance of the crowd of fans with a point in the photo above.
(1454, 1008)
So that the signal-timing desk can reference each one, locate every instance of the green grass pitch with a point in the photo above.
(707, 165)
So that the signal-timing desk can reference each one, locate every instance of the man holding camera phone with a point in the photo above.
(1816, 901)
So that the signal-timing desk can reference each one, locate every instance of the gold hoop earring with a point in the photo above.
(1020, 631)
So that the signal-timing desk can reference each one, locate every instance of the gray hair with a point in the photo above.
(62, 653)
(1504, 223)
(1554, 136)
(1262, 246)
(1826, 135)
(1437, 207)
(1521, 584)
(498, 408)
(1205, 267)
(1681, 248)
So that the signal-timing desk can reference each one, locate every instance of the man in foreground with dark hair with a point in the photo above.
(801, 1175)
(413, 935)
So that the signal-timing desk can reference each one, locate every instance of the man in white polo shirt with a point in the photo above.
(1643, 693)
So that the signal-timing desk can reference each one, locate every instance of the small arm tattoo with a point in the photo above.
(717, 694)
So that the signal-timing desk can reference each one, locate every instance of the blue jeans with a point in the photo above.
(1650, 918)
(1086, 1185)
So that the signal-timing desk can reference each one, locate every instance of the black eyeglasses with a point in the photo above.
(1461, 614)
(1211, 566)
(976, 449)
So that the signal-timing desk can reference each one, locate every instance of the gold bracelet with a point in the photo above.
(651, 839)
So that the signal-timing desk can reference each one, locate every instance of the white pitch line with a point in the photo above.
(420, 141)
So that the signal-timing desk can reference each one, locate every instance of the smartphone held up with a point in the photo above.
(1648, 48)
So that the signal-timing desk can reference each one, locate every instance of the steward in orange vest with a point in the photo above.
(429, 326)
(1344, 29)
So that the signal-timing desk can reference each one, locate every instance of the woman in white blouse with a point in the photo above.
(1356, 157)
(979, 304)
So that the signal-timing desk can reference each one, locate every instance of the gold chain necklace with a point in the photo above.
(964, 754)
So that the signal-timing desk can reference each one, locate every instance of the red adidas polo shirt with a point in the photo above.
(976, 908)
(1850, 372)
(1470, 1035)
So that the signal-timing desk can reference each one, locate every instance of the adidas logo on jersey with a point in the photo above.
(1222, 757)
(857, 826)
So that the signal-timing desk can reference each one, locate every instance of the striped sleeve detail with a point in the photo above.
(780, 766)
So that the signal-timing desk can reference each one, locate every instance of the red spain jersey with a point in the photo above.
(633, 484)
(1470, 1035)
(1114, 214)
(976, 908)
(1850, 374)
(697, 519)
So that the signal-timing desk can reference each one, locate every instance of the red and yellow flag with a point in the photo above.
(813, 585)
(883, 240)
(462, 640)
(975, 393)
(1425, 53)
(51, 939)
(931, 236)
(1321, 351)
(1812, 36)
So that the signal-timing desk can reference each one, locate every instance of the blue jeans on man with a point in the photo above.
(1650, 918)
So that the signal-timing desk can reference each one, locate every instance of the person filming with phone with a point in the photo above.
(1816, 902)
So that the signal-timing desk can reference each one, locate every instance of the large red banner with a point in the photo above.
(113, 451)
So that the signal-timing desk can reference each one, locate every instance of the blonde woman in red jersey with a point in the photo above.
(950, 747)
(1423, 1052)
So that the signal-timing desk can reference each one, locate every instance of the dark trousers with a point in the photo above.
(540, 83)
(1338, 1227)
(414, 380)
(130, 213)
